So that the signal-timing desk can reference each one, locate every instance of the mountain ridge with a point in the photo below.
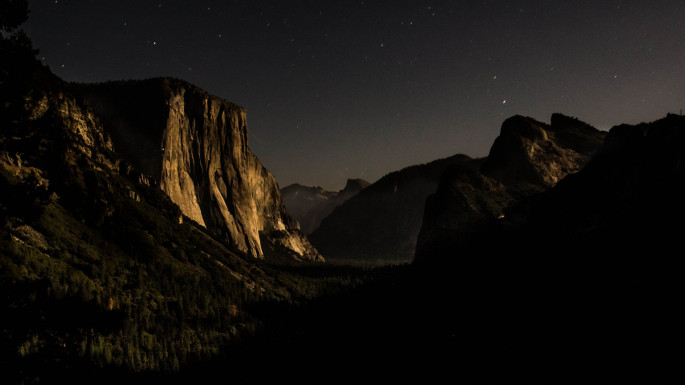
(527, 158)
(104, 279)
(384, 223)
(380, 224)
(310, 205)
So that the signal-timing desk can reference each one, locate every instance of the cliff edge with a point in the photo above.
(195, 147)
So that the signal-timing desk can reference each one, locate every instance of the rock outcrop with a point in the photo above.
(630, 193)
(532, 156)
(310, 205)
(462, 209)
(91, 246)
(195, 146)
(527, 157)
(382, 222)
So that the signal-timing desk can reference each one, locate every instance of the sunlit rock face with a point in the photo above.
(532, 156)
(630, 192)
(196, 145)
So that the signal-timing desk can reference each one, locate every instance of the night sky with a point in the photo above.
(357, 89)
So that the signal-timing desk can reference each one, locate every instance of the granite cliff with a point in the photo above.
(590, 267)
(527, 157)
(93, 251)
(450, 201)
(117, 250)
(628, 195)
(381, 223)
(194, 145)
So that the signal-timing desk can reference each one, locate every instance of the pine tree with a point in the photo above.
(13, 13)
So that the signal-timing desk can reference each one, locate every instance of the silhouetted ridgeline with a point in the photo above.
(380, 224)
(527, 157)
(588, 270)
(310, 205)
(383, 222)
(628, 190)
(131, 213)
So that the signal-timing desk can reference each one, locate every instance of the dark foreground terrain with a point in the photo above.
(104, 278)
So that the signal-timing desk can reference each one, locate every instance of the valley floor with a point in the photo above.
(496, 321)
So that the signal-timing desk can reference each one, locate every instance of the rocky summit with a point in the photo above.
(532, 156)
(310, 205)
(527, 157)
(588, 269)
(381, 223)
(407, 212)
(628, 197)
(194, 146)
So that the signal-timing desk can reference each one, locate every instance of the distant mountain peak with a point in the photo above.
(527, 157)
(382, 222)
(530, 155)
(356, 185)
(310, 205)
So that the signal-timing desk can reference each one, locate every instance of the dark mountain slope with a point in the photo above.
(96, 268)
(310, 205)
(381, 223)
(531, 156)
(586, 274)
(101, 272)
(631, 190)
(103, 277)
(527, 157)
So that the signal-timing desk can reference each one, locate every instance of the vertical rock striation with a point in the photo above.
(196, 145)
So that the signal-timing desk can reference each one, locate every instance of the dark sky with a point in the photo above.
(357, 89)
